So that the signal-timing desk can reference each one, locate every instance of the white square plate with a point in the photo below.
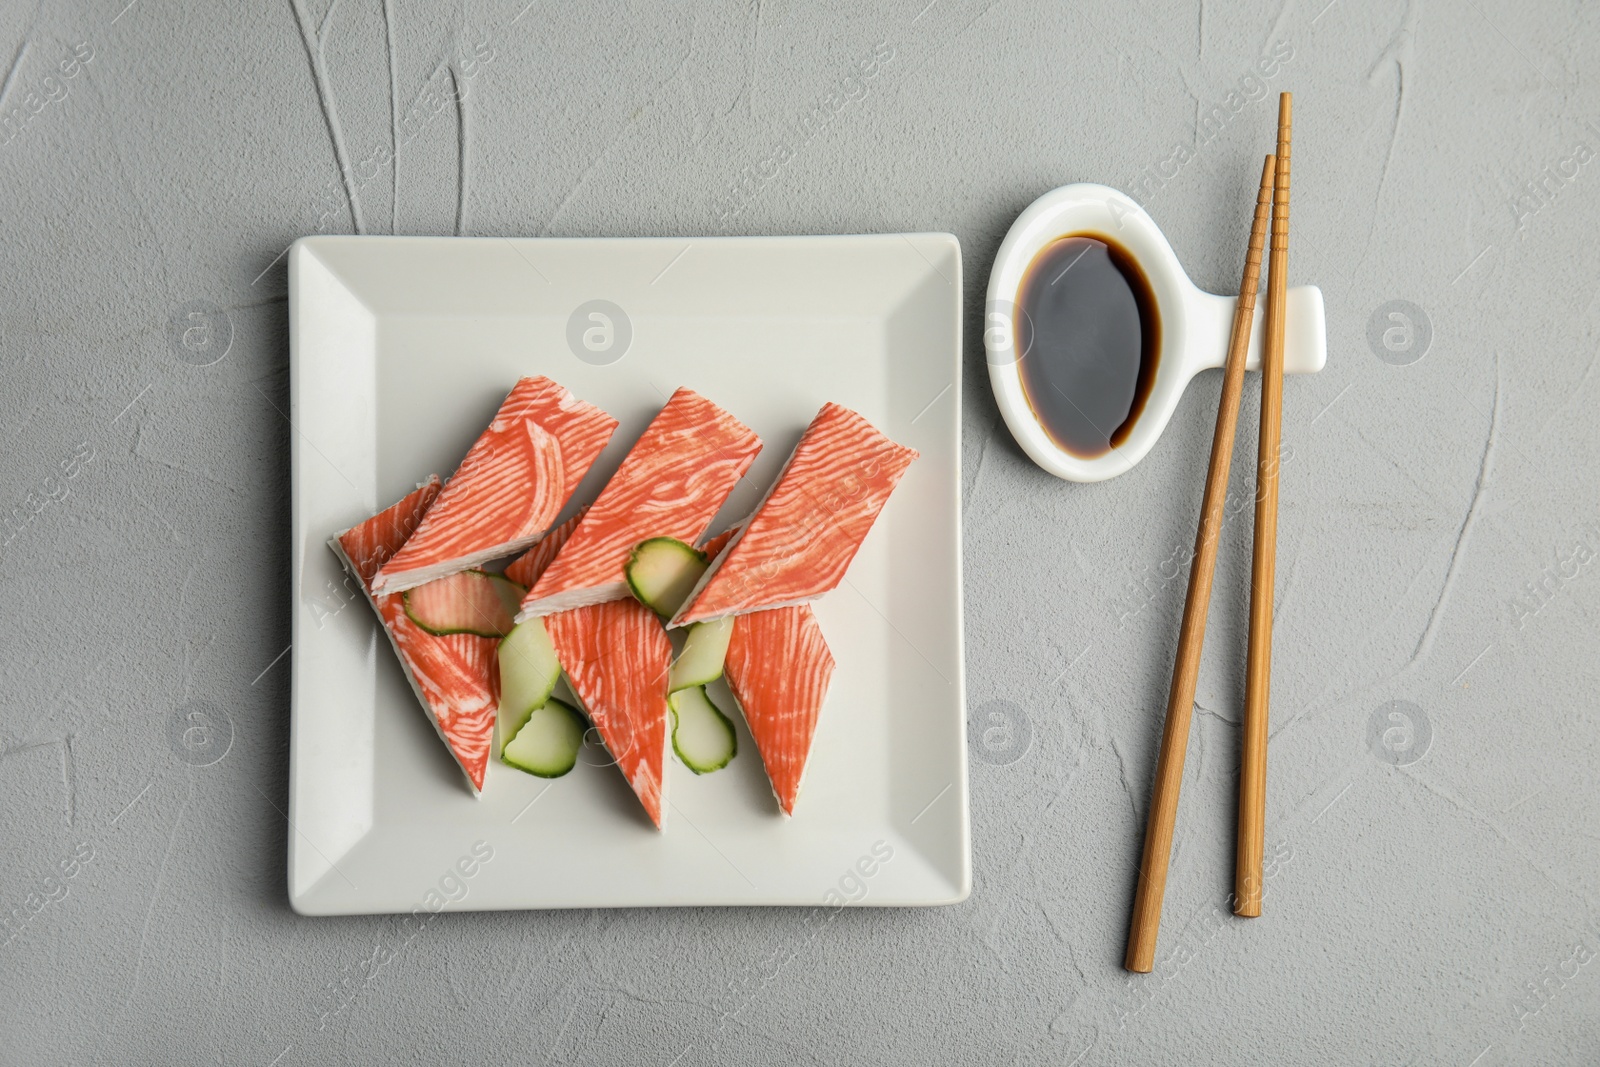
(401, 349)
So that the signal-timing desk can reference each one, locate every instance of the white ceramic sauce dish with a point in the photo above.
(1194, 333)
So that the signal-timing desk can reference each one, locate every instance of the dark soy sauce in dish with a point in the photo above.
(1089, 337)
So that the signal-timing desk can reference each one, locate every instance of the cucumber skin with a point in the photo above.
(727, 724)
(641, 556)
(554, 706)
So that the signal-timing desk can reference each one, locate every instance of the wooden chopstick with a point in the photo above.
(1258, 666)
(1186, 669)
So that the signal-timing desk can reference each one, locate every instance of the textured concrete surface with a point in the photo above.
(1433, 826)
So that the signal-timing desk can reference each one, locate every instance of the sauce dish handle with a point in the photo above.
(1305, 337)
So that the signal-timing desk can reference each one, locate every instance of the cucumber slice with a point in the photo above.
(700, 662)
(528, 674)
(662, 571)
(702, 736)
(548, 743)
(467, 602)
(509, 592)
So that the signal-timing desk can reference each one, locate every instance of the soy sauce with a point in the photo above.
(1090, 337)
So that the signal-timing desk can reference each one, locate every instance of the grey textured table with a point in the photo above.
(1433, 826)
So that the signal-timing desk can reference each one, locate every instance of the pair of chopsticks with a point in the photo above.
(1186, 670)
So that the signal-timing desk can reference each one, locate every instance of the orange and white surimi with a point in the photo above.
(616, 657)
(799, 543)
(582, 579)
(670, 484)
(454, 676)
(509, 489)
(778, 669)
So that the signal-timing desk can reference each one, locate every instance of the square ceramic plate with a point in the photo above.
(401, 349)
